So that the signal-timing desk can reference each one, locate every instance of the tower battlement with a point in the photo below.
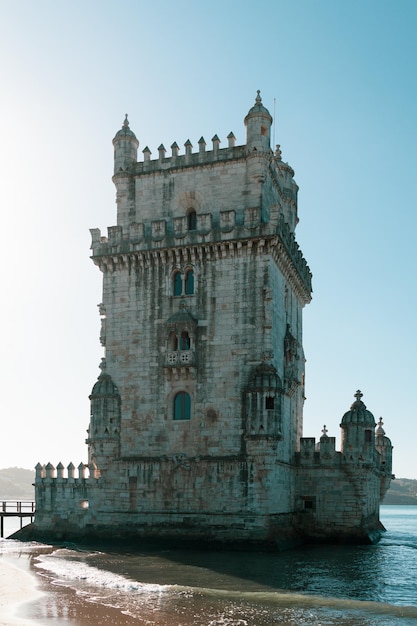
(190, 158)
(234, 178)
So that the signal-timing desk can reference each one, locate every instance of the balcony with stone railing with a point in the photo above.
(180, 358)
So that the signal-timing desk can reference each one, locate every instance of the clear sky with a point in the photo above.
(343, 76)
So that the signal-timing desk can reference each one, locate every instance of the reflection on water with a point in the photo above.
(316, 585)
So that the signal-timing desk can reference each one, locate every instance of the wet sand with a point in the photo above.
(29, 599)
(17, 588)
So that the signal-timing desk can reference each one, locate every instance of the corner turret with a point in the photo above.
(384, 446)
(358, 426)
(125, 158)
(104, 431)
(125, 148)
(258, 124)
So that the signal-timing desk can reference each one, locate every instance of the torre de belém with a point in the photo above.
(196, 420)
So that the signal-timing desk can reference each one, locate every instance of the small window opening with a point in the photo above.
(173, 341)
(269, 402)
(191, 220)
(368, 436)
(263, 130)
(185, 342)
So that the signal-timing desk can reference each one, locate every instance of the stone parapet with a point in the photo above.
(189, 159)
(227, 235)
(316, 454)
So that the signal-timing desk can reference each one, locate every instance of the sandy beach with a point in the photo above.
(17, 588)
(27, 599)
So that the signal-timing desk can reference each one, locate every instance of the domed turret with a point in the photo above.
(380, 437)
(358, 414)
(358, 424)
(264, 378)
(125, 148)
(258, 124)
(104, 430)
(104, 387)
(263, 403)
(384, 446)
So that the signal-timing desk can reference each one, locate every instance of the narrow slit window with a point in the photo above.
(269, 402)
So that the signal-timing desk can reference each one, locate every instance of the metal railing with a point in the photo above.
(16, 508)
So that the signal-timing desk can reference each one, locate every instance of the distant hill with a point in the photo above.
(16, 484)
(402, 491)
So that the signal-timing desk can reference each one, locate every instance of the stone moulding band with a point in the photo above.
(290, 260)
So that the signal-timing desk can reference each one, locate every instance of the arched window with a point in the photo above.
(172, 341)
(185, 342)
(191, 220)
(189, 283)
(177, 284)
(182, 406)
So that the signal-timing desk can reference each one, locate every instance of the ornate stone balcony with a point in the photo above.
(180, 358)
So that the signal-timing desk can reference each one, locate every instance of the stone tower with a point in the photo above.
(195, 431)
(203, 290)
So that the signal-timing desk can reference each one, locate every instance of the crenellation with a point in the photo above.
(201, 146)
(188, 148)
(177, 161)
(231, 140)
(216, 145)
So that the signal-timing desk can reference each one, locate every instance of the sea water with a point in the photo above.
(310, 586)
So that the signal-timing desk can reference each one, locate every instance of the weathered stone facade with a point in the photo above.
(196, 418)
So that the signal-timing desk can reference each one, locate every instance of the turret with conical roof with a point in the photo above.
(358, 425)
(125, 148)
(258, 124)
(125, 158)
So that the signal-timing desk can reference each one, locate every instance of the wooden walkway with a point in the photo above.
(16, 508)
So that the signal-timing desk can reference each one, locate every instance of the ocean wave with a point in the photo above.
(12, 546)
(67, 570)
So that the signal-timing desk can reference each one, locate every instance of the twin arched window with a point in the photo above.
(184, 342)
(183, 283)
(182, 406)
